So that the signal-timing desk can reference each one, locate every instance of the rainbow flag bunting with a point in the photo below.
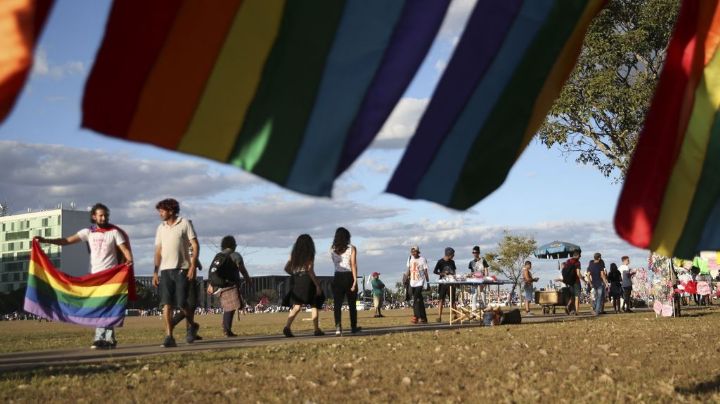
(291, 91)
(508, 67)
(95, 300)
(670, 202)
(21, 22)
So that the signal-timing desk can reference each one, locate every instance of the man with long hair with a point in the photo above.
(175, 267)
(104, 240)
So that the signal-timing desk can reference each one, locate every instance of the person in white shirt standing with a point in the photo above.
(627, 275)
(418, 274)
(478, 265)
(175, 267)
(104, 240)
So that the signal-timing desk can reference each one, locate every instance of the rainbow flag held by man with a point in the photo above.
(94, 300)
(670, 202)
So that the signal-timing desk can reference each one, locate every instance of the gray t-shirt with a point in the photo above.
(174, 242)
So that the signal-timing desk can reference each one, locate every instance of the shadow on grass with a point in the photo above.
(707, 387)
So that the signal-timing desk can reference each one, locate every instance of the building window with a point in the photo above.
(45, 222)
(16, 276)
(10, 246)
(48, 232)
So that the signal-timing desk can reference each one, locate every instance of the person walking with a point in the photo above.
(528, 288)
(444, 268)
(626, 274)
(417, 272)
(378, 290)
(344, 286)
(175, 267)
(478, 264)
(104, 241)
(572, 278)
(230, 298)
(598, 280)
(615, 279)
(304, 286)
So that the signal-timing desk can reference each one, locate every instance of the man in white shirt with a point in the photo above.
(104, 240)
(627, 275)
(417, 272)
(175, 267)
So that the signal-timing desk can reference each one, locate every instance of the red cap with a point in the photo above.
(375, 274)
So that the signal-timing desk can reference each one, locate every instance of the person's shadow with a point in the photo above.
(710, 386)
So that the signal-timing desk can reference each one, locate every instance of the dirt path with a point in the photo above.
(30, 360)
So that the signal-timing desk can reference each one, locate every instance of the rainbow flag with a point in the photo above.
(290, 91)
(96, 300)
(21, 22)
(509, 66)
(670, 202)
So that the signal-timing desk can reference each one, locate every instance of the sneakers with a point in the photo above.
(356, 330)
(229, 334)
(414, 320)
(192, 331)
(529, 313)
(338, 331)
(423, 321)
(287, 332)
(318, 333)
(100, 344)
(169, 342)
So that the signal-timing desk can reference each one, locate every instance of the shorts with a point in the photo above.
(444, 292)
(173, 287)
(377, 301)
(575, 290)
(528, 291)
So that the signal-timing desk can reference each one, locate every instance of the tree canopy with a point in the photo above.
(600, 112)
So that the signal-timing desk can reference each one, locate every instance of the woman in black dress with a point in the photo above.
(616, 292)
(304, 286)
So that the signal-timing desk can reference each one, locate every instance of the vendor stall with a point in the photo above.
(460, 282)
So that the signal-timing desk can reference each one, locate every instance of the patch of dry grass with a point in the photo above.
(613, 358)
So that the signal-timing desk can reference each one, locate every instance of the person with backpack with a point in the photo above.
(304, 286)
(224, 276)
(344, 285)
(572, 279)
(378, 289)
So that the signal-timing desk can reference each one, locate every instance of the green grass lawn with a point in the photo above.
(614, 358)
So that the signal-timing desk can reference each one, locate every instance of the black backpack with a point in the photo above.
(569, 275)
(223, 271)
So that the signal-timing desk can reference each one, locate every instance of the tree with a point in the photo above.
(600, 111)
(510, 257)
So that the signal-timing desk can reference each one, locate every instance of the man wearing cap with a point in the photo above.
(478, 265)
(378, 289)
(445, 267)
(417, 272)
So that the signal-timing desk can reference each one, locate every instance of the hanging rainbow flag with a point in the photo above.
(670, 201)
(290, 91)
(21, 22)
(96, 300)
(509, 66)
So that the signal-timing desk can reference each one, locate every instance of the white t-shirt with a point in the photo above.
(417, 267)
(103, 247)
(342, 261)
(626, 279)
(174, 242)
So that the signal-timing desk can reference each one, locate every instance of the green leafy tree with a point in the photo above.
(512, 253)
(600, 112)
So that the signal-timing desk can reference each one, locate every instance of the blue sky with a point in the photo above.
(50, 160)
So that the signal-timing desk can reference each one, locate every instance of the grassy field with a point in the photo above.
(615, 358)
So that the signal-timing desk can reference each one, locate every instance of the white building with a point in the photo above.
(16, 233)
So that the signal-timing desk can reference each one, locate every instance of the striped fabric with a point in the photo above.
(507, 69)
(670, 201)
(21, 22)
(95, 300)
(291, 91)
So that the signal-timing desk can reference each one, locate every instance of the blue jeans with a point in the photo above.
(599, 297)
(105, 334)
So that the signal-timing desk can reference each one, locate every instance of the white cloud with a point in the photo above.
(455, 19)
(401, 123)
(440, 65)
(42, 66)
